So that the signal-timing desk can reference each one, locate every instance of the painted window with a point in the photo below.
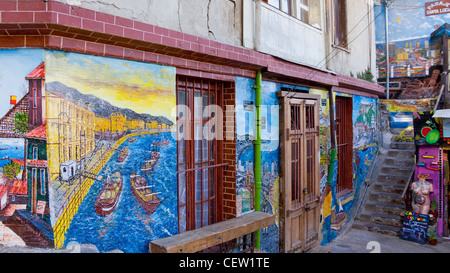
(34, 97)
(43, 184)
(35, 153)
(199, 158)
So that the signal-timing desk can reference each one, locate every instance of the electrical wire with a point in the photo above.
(348, 34)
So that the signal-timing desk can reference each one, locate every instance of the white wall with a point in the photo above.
(218, 20)
(361, 38)
(283, 35)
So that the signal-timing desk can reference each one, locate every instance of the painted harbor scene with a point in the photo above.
(111, 157)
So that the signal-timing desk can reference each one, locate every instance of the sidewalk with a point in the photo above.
(361, 241)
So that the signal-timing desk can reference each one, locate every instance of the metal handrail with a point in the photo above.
(405, 190)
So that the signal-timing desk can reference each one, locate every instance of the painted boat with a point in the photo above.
(109, 195)
(163, 142)
(123, 154)
(148, 199)
(133, 139)
(148, 166)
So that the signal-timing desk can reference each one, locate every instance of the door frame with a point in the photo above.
(304, 211)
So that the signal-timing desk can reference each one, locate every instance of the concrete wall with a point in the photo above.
(282, 35)
(360, 52)
(213, 19)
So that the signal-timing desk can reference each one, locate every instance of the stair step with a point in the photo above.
(381, 218)
(403, 145)
(396, 170)
(383, 229)
(401, 153)
(393, 178)
(388, 187)
(385, 208)
(399, 162)
(384, 197)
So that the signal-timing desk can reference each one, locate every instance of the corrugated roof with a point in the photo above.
(37, 73)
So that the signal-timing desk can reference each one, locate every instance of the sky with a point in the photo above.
(142, 87)
(407, 20)
(15, 65)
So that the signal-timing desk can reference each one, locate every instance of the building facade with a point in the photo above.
(209, 117)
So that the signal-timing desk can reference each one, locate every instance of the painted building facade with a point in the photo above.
(123, 154)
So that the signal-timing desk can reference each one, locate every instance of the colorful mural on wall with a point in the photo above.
(21, 156)
(245, 136)
(337, 210)
(426, 128)
(410, 51)
(112, 160)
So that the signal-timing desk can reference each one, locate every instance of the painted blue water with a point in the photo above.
(129, 228)
(14, 148)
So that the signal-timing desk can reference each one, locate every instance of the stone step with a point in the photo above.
(384, 208)
(389, 187)
(393, 178)
(383, 229)
(399, 162)
(384, 197)
(396, 170)
(403, 145)
(381, 218)
(401, 153)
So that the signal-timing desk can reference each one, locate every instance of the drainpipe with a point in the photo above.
(258, 151)
(333, 138)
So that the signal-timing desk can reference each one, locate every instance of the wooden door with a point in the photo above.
(300, 187)
(344, 138)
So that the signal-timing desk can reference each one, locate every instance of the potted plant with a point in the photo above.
(433, 208)
(432, 236)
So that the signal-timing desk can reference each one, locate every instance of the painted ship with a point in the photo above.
(148, 199)
(109, 195)
(133, 139)
(163, 142)
(123, 154)
(148, 166)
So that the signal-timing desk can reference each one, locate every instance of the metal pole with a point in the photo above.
(385, 2)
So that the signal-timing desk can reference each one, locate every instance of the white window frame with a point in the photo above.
(296, 6)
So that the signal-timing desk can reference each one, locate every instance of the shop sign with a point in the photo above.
(437, 7)
(40, 208)
(415, 227)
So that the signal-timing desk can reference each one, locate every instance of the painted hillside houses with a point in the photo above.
(159, 121)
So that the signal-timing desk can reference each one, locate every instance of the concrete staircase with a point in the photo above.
(383, 207)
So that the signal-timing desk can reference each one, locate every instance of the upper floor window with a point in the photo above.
(340, 23)
(308, 11)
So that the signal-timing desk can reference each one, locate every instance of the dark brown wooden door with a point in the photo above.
(344, 142)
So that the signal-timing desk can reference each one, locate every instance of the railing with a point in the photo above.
(406, 195)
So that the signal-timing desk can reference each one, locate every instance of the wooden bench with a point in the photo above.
(213, 235)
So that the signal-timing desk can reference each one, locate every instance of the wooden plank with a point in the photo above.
(208, 236)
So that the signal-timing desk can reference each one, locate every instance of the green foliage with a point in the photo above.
(21, 123)
(431, 233)
(11, 170)
(366, 75)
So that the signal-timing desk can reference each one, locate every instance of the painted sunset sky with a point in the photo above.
(144, 88)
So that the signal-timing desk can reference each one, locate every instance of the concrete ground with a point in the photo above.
(361, 241)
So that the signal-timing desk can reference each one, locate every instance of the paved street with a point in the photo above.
(361, 241)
